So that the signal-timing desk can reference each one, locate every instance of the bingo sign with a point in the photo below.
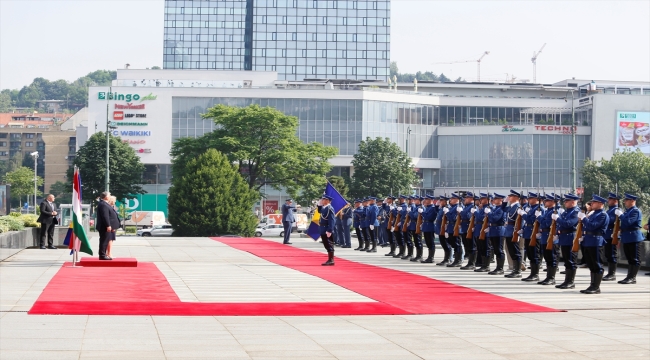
(270, 206)
(633, 131)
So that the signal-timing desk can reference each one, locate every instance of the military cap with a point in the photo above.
(484, 195)
(430, 197)
(514, 193)
(613, 196)
(571, 197)
(524, 196)
(499, 196)
(455, 196)
(532, 194)
(469, 194)
(598, 198)
(442, 197)
(476, 197)
(327, 197)
(402, 196)
(357, 201)
(550, 197)
(630, 197)
(288, 200)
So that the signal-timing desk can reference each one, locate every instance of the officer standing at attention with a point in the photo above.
(611, 251)
(631, 236)
(594, 227)
(359, 214)
(482, 245)
(388, 209)
(288, 219)
(397, 233)
(545, 221)
(326, 227)
(512, 212)
(567, 223)
(496, 218)
(372, 212)
(416, 210)
(454, 242)
(532, 252)
(442, 205)
(428, 218)
(406, 237)
(468, 242)
(343, 226)
(382, 217)
(364, 225)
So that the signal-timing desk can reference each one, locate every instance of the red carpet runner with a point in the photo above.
(144, 290)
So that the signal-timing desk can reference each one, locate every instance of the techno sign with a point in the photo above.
(633, 131)
(566, 130)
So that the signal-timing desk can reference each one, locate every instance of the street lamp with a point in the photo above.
(108, 132)
(574, 128)
(35, 156)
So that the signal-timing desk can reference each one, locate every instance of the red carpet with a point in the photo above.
(116, 262)
(144, 290)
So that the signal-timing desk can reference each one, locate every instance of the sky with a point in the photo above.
(600, 40)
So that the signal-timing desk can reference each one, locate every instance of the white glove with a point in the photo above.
(560, 211)
(618, 212)
(445, 210)
(392, 207)
(459, 209)
(555, 216)
(473, 210)
(521, 212)
(556, 238)
(580, 240)
(446, 235)
(538, 213)
(399, 225)
(581, 215)
(520, 232)
(591, 212)
(487, 231)
(487, 210)
(538, 236)
(372, 227)
(420, 210)
(329, 234)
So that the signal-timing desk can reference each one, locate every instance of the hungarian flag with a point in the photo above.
(79, 239)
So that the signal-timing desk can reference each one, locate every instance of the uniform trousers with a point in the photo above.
(497, 246)
(359, 236)
(407, 239)
(631, 251)
(443, 242)
(397, 235)
(550, 256)
(483, 247)
(592, 258)
(344, 232)
(570, 257)
(428, 239)
(533, 252)
(455, 244)
(328, 243)
(469, 244)
(366, 233)
(389, 237)
(611, 252)
(417, 239)
(513, 249)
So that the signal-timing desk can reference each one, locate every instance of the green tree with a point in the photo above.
(156, 67)
(125, 168)
(629, 169)
(62, 192)
(5, 101)
(339, 184)
(22, 182)
(380, 167)
(211, 198)
(262, 143)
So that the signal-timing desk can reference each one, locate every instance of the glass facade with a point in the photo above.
(514, 161)
(299, 39)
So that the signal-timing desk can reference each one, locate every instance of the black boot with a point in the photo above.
(401, 252)
(366, 247)
(569, 277)
(550, 276)
(360, 244)
(418, 255)
(632, 270)
(471, 260)
(534, 273)
(485, 265)
(392, 250)
(408, 256)
(429, 259)
(444, 261)
(594, 288)
(374, 247)
(611, 272)
(516, 270)
(330, 259)
(499, 269)
(458, 259)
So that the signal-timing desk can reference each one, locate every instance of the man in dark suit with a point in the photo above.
(288, 219)
(103, 224)
(48, 220)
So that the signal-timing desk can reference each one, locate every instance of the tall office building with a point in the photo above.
(300, 39)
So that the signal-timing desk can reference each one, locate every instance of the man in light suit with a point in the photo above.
(48, 221)
(288, 219)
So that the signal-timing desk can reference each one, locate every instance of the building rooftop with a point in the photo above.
(31, 120)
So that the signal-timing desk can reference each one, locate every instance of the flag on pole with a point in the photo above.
(70, 239)
(338, 203)
(80, 242)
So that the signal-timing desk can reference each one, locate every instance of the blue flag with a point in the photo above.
(338, 203)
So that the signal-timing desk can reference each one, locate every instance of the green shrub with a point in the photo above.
(12, 223)
(29, 220)
(130, 229)
(15, 214)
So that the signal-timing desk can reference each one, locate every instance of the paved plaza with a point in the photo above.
(612, 325)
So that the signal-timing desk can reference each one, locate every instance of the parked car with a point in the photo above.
(156, 230)
(269, 230)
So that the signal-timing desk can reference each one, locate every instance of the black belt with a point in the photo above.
(428, 222)
(528, 227)
(562, 232)
(545, 229)
(594, 233)
(496, 224)
(464, 222)
(511, 222)
(630, 229)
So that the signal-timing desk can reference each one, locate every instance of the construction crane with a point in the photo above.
(534, 60)
(478, 64)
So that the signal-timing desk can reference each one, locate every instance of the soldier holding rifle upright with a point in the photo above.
(530, 219)
(514, 250)
(594, 225)
(442, 205)
(429, 215)
(611, 250)
(482, 243)
(467, 236)
(545, 223)
(567, 223)
(414, 232)
(630, 235)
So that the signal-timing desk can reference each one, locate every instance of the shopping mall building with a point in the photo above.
(459, 135)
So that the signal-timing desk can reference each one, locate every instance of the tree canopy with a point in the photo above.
(262, 143)
(125, 168)
(211, 198)
(381, 167)
(22, 182)
(629, 169)
(420, 75)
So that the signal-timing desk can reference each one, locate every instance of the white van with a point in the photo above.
(145, 219)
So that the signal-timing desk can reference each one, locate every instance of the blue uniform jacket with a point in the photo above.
(631, 226)
(511, 218)
(428, 218)
(610, 223)
(545, 222)
(438, 220)
(403, 211)
(358, 215)
(529, 221)
(395, 211)
(594, 227)
(326, 221)
(465, 218)
(452, 215)
(567, 225)
(413, 214)
(363, 217)
(346, 214)
(497, 220)
(372, 211)
(287, 213)
(385, 214)
(479, 215)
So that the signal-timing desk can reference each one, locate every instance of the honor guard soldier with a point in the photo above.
(529, 218)
(468, 241)
(400, 211)
(631, 237)
(594, 226)
(416, 210)
(372, 213)
(406, 236)
(364, 226)
(326, 227)
(483, 246)
(545, 223)
(382, 218)
(344, 226)
(496, 218)
(429, 214)
(512, 212)
(611, 251)
(454, 242)
(567, 223)
(442, 205)
(390, 215)
(359, 215)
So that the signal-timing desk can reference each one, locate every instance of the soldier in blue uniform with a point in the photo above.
(482, 245)
(442, 205)
(529, 218)
(611, 251)
(468, 241)
(372, 212)
(594, 226)
(416, 209)
(343, 226)
(454, 242)
(408, 209)
(388, 210)
(496, 219)
(382, 218)
(567, 222)
(631, 237)
(429, 214)
(326, 227)
(365, 226)
(400, 210)
(514, 250)
(550, 256)
(359, 215)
